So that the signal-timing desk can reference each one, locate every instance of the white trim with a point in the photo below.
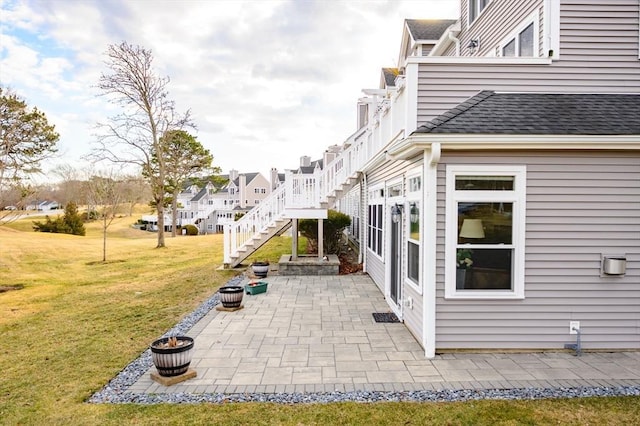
(477, 60)
(551, 23)
(514, 35)
(411, 99)
(414, 196)
(517, 197)
(469, 22)
(429, 255)
(483, 142)
(391, 201)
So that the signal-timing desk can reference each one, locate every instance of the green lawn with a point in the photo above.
(79, 321)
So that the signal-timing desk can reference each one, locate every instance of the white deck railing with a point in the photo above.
(310, 190)
(238, 233)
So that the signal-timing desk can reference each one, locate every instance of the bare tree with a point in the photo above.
(26, 139)
(71, 188)
(184, 157)
(135, 190)
(134, 136)
(105, 195)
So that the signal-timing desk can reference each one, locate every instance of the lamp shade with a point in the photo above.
(472, 228)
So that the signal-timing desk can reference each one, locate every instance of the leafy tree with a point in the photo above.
(134, 136)
(184, 157)
(26, 139)
(332, 228)
(69, 223)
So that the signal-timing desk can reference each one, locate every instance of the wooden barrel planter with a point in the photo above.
(231, 296)
(172, 360)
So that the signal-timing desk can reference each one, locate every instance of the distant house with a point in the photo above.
(493, 178)
(43, 206)
(210, 207)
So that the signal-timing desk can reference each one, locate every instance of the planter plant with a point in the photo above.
(256, 287)
(260, 269)
(231, 296)
(172, 355)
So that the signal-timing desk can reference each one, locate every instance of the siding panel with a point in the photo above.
(564, 244)
(598, 54)
(392, 170)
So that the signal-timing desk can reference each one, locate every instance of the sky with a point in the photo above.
(266, 81)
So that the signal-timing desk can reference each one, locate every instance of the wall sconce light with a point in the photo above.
(474, 45)
(396, 213)
(472, 228)
(414, 213)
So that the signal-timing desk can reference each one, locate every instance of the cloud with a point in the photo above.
(266, 81)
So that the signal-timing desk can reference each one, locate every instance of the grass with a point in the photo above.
(77, 322)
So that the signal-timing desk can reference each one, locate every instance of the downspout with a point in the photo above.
(363, 229)
(431, 160)
(456, 40)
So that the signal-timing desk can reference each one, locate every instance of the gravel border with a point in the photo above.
(115, 392)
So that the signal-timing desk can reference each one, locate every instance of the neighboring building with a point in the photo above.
(494, 178)
(210, 208)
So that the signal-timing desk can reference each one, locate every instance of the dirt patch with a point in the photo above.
(5, 288)
(348, 257)
(348, 260)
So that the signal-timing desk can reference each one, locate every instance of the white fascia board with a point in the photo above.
(477, 60)
(375, 92)
(458, 142)
(302, 213)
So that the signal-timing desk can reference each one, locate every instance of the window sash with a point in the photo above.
(507, 272)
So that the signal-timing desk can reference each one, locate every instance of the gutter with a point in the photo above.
(445, 40)
(418, 142)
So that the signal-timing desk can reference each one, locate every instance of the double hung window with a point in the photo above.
(375, 222)
(414, 199)
(523, 42)
(485, 232)
(476, 7)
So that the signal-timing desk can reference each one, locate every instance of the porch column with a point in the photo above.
(294, 239)
(320, 239)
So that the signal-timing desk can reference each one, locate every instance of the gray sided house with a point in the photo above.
(494, 178)
(509, 178)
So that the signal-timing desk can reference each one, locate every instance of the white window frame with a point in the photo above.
(534, 19)
(376, 198)
(414, 197)
(517, 197)
(480, 11)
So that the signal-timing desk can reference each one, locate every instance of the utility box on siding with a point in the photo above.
(614, 265)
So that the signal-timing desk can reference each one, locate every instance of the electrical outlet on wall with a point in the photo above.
(574, 326)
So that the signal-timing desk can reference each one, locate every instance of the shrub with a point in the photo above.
(191, 229)
(90, 215)
(70, 223)
(332, 229)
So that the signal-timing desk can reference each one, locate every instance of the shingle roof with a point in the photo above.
(390, 75)
(542, 114)
(200, 194)
(428, 29)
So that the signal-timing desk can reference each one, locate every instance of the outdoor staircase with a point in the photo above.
(300, 194)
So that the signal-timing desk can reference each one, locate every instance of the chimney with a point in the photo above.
(274, 178)
(328, 157)
(243, 190)
(233, 175)
(305, 161)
